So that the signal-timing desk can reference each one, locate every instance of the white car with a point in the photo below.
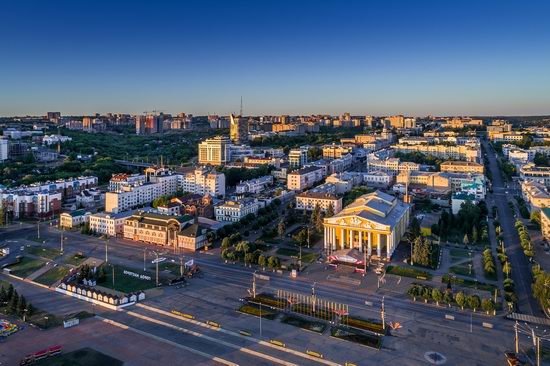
(158, 260)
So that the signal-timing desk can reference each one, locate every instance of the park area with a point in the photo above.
(25, 266)
(52, 275)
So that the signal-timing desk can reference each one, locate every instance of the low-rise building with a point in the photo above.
(545, 223)
(456, 152)
(308, 200)
(193, 237)
(345, 181)
(459, 166)
(536, 195)
(335, 151)
(155, 228)
(304, 178)
(254, 185)
(70, 220)
(457, 199)
(392, 165)
(532, 173)
(378, 179)
(103, 223)
(235, 210)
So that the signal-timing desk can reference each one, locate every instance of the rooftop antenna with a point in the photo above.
(241, 114)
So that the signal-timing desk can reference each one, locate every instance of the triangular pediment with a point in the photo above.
(354, 221)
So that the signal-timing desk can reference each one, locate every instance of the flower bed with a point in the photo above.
(304, 323)
(360, 323)
(256, 311)
(369, 340)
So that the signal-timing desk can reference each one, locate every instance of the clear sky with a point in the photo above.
(295, 57)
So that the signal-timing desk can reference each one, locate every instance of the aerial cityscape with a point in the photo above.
(275, 183)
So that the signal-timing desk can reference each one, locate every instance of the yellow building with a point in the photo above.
(428, 179)
(374, 221)
(458, 166)
(545, 223)
(155, 228)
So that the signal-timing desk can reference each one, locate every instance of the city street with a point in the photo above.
(216, 295)
(521, 270)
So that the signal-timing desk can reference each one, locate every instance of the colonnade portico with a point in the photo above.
(337, 237)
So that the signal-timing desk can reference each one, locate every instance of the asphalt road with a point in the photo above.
(216, 296)
(521, 269)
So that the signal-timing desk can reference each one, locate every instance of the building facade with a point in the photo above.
(373, 222)
(215, 151)
(308, 200)
(304, 178)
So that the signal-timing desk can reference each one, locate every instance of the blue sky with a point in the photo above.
(293, 57)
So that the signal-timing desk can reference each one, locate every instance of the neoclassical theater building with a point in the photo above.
(374, 222)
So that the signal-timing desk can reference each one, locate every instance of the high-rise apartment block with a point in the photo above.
(238, 129)
(215, 151)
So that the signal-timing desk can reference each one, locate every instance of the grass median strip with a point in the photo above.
(408, 272)
(300, 322)
(26, 266)
(44, 252)
(256, 311)
(51, 276)
(364, 339)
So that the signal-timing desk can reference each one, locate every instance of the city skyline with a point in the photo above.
(282, 58)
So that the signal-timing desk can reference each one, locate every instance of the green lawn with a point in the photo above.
(458, 253)
(26, 266)
(468, 283)
(309, 257)
(173, 268)
(289, 252)
(75, 259)
(125, 283)
(44, 252)
(408, 272)
(81, 357)
(52, 275)
(463, 270)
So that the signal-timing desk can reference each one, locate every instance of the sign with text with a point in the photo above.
(137, 275)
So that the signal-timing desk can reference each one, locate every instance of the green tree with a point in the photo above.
(319, 223)
(475, 237)
(414, 292)
(448, 298)
(315, 214)
(21, 305)
(30, 310)
(460, 299)
(14, 300)
(226, 243)
(474, 302)
(302, 237)
(281, 228)
(465, 240)
(273, 262)
(262, 261)
(2, 216)
(330, 211)
(414, 228)
(3, 296)
(249, 258)
(507, 269)
(421, 251)
(488, 305)
(437, 295)
(426, 294)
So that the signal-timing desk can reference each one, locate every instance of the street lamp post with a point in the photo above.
(106, 251)
(144, 250)
(157, 267)
(313, 298)
(62, 240)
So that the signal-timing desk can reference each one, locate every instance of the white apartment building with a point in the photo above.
(233, 211)
(203, 181)
(304, 178)
(457, 152)
(531, 173)
(378, 178)
(131, 197)
(25, 203)
(308, 200)
(69, 220)
(298, 157)
(3, 149)
(254, 185)
(117, 181)
(392, 166)
(109, 224)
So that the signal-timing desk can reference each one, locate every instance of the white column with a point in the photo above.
(350, 239)
(325, 237)
(360, 240)
(369, 238)
(342, 239)
(333, 233)
(389, 245)
(379, 247)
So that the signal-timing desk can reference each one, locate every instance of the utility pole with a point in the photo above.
(38, 228)
(113, 266)
(181, 266)
(106, 253)
(254, 285)
(383, 314)
(313, 298)
(300, 260)
(538, 350)
(144, 250)
(61, 240)
(157, 269)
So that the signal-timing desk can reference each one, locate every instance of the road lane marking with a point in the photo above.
(212, 339)
(160, 339)
(263, 343)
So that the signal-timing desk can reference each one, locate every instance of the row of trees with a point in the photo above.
(422, 252)
(473, 302)
(524, 239)
(523, 210)
(540, 288)
(249, 253)
(489, 264)
(14, 303)
(264, 216)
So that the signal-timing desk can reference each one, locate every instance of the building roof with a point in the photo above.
(320, 195)
(546, 212)
(306, 170)
(378, 207)
(192, 230)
